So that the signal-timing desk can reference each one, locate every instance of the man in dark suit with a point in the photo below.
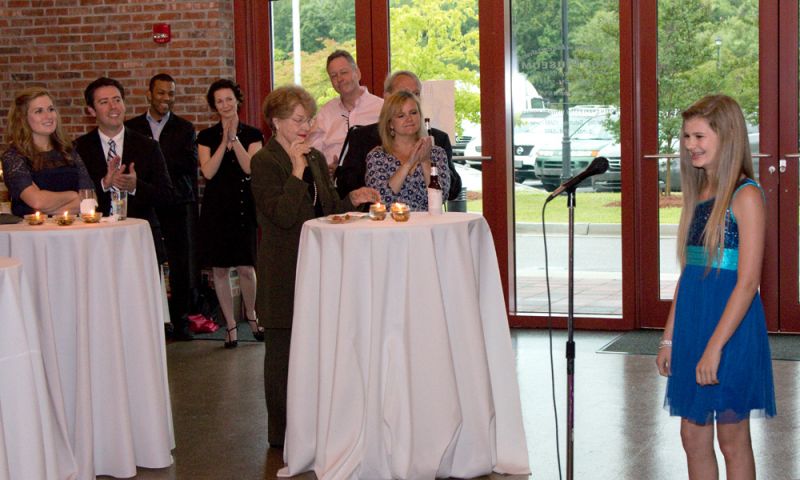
(120, 158)
(177, 139)
(361, 139)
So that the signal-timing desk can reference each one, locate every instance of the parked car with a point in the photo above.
(469, 131)
(524, 153)
(459, 147)
(586, 141)
(611, 181)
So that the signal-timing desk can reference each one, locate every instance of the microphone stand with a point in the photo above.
(570, 350)
(599, 165)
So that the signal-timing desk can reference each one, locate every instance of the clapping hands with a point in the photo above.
(421, 153)
(230, 126)
(116, 176)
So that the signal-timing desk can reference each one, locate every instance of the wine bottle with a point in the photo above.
(434, 193)
(428, 130)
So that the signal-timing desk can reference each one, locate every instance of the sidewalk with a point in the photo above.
(595, 293)
(606, 229)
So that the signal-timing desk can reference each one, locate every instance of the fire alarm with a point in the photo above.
(161, 33)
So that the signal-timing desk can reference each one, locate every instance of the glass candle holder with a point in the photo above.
(377, 211)
(91, 217)
(35, 218)
(65, 219)
(400, 212)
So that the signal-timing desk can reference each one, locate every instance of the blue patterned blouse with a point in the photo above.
(381, 166)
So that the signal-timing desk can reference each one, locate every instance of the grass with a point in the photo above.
(591, 207)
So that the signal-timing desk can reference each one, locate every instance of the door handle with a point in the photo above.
(471, 158)
(664, 155)
(782, 161)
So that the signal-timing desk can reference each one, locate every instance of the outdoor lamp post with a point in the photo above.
(718, 43)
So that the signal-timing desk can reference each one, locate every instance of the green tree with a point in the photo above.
(594, 67)
(536, 33)
(320, 20)
(313, 75)
(686, 62)
(738, 55)
(438, 39)
(690, 63)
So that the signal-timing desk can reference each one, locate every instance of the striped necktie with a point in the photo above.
(112, 153)
(112, 150)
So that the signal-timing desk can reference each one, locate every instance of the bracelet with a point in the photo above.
(665, 344)
(234, 139)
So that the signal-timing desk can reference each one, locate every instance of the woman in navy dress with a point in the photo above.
(227, 226)
(41, 169)
(714, 348)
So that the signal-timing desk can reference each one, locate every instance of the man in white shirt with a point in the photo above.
(120, 158)
(355, 106)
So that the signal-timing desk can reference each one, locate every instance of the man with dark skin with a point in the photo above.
(176, 136)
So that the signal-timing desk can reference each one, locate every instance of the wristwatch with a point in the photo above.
(234, 139)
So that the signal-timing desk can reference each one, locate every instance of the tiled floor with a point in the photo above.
(621, 431)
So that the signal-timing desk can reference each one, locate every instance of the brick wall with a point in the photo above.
(65, 44)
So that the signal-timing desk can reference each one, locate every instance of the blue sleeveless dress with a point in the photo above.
(745, 369)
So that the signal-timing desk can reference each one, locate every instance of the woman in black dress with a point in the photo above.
(227, 217)
(41, 168)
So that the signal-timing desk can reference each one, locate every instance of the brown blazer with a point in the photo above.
(283, 204)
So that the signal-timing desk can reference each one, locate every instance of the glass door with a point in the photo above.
(447, 61)
(783, 173)
(303, 35)
(748, 50)
(565, 92)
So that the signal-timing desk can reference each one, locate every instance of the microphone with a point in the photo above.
(599, 165)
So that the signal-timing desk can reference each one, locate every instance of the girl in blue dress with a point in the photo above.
(714, 348)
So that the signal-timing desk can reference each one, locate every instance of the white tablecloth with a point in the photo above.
(98, 296)
(401, 362)
(33, 436)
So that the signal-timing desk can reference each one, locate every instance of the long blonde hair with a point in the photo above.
(391, 106)
(19, 134)
(725, 118)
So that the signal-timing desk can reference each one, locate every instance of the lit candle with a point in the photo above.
(34, 218)
(400, 212)
(65, 219)
(377, 211)
(92, 216)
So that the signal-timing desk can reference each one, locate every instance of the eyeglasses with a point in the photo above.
(302, 120)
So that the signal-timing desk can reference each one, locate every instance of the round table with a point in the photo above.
(401, 364)
(98, 296)
(33, 436)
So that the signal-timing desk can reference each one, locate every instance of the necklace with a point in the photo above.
(315, 193)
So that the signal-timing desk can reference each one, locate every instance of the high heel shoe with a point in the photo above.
(258, 333)
(228, 342)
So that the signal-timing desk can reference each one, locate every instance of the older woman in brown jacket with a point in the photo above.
(290, 185)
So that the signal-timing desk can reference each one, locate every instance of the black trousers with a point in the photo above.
(179, 228)
(276, 378)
